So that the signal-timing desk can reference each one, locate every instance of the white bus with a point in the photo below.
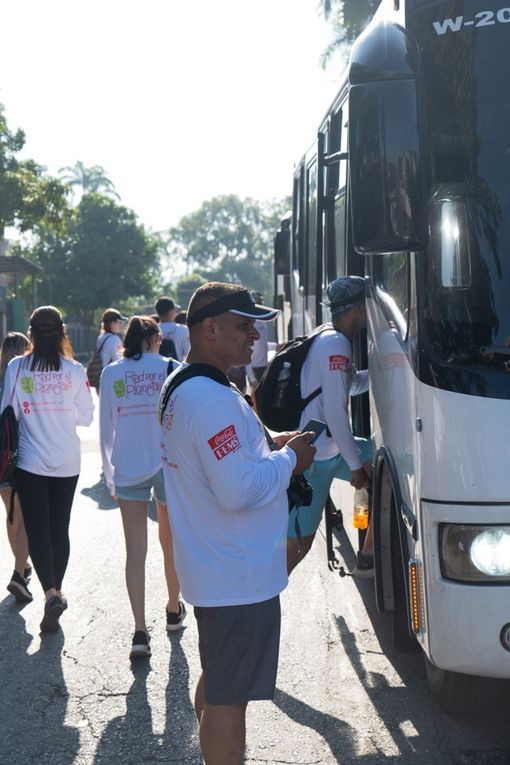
(408, 183)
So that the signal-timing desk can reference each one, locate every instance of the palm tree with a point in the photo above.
(347, 18)
(88, 179)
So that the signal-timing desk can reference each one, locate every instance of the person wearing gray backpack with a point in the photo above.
(108, 345)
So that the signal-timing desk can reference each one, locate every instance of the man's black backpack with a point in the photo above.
(167, 348)
(278, 394)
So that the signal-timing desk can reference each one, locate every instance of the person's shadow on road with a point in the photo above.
(396, 705)
(130, 738)
(181, 723)
(99, 493)
(33, 695)
(338, 735)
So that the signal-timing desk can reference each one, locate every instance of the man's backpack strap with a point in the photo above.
(192, 370)
(311, 397)
(317, 331)
(170, 366)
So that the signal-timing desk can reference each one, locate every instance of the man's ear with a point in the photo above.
(209, 328)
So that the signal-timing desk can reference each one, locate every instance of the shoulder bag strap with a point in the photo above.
(108, 334)
(15, 382)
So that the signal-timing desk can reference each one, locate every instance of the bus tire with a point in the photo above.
(457, 693)
(402, 640)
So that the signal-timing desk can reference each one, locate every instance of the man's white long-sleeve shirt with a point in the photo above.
(328, 366)
(227, 500)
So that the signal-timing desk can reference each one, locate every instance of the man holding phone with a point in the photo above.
(340, 454)
(228, 513)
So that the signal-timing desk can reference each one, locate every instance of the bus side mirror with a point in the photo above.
(282, 248)
(388, 200)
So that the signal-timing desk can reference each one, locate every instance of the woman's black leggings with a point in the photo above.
(46, 507)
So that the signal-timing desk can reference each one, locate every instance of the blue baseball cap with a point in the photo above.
(345, 293)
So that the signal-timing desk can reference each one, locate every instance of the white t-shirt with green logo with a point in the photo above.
(128, 420)
(49, 405)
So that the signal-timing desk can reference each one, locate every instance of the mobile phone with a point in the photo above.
(317, 426)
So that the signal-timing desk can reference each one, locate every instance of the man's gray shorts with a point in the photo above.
(239, 651)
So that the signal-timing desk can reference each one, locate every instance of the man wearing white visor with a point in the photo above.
(228, 513)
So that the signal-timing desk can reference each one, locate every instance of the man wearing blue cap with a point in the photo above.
(340, 454)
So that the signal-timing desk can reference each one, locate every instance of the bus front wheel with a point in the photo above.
(458, 693)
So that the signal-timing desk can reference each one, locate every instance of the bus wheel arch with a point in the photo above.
(392, 584)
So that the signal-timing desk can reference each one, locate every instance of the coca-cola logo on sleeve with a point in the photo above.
(225, 442)
(338, 363)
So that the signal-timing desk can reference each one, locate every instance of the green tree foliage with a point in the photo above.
(27, 195)
(88, 180)
(348, 18)
(103, 257)
(230, 239)
(186, 286)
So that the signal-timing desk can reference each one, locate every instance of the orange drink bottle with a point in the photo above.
(360, 513)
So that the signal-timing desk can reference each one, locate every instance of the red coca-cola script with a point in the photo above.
(338, 363)
(225, 442)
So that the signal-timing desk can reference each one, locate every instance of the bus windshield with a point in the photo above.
(465, 303)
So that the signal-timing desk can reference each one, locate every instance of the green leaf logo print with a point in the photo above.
(27, 385)
(119, 388)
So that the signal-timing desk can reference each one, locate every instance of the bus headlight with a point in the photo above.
(475, 553)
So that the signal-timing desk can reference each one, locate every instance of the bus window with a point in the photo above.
(342, 180)
(311, 228)
(336, 184)
(335, 131)
(393, 289)
(340, 238)
(298, 254)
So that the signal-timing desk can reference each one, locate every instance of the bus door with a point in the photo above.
(340, 256)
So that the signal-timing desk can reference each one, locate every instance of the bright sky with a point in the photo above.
(179, 100)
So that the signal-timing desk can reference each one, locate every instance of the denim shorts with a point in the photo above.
(142, 491)
(320, 475)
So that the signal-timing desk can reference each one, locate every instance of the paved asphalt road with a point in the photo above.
(344, 695)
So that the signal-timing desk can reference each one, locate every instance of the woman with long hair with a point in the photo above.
(15, 344)
(50, 395)
(131, 453)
